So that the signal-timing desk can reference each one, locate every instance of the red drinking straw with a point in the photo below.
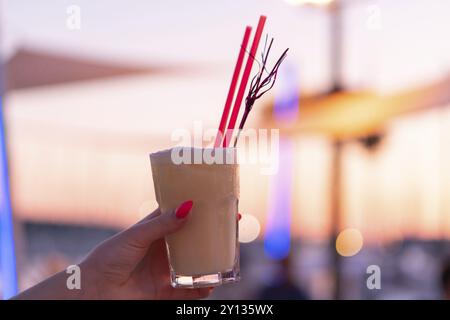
(234, 80)
(243, 85)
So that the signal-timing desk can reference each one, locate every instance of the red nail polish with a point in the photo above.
(239, 216)
(184, 209)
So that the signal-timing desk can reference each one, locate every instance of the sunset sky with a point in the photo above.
(388, 44)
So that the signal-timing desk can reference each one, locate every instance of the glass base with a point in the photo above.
(206, 280)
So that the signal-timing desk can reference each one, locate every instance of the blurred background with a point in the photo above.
(362, 102)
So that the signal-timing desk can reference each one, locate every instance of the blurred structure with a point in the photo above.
(346, 124)
(29, 68)
(445, 279)
(282, 286)
(363, 120)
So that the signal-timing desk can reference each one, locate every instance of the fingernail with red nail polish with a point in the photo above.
(184, 209)
(239, 216)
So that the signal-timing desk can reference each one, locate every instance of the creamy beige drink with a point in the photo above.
(205, 251)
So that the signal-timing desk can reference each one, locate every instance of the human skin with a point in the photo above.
(131, 265)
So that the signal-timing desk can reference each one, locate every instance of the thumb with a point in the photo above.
(144, 233)
(126, 249)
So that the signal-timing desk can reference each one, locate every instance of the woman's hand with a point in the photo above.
(134, 265)
(131, 265)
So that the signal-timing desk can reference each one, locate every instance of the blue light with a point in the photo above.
(278, 230)
(277, 244)
(7, 249)
(277, 238)
(287, 98)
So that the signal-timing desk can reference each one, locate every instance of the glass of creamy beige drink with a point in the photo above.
(205, 252)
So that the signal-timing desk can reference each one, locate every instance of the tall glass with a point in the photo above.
(205, 252)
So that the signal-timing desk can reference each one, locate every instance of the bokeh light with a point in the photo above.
(249, 228)
(349, 242)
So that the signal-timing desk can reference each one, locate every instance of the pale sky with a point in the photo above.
(389, 44)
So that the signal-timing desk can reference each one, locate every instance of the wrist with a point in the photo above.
(89, 282)
(62, 286)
